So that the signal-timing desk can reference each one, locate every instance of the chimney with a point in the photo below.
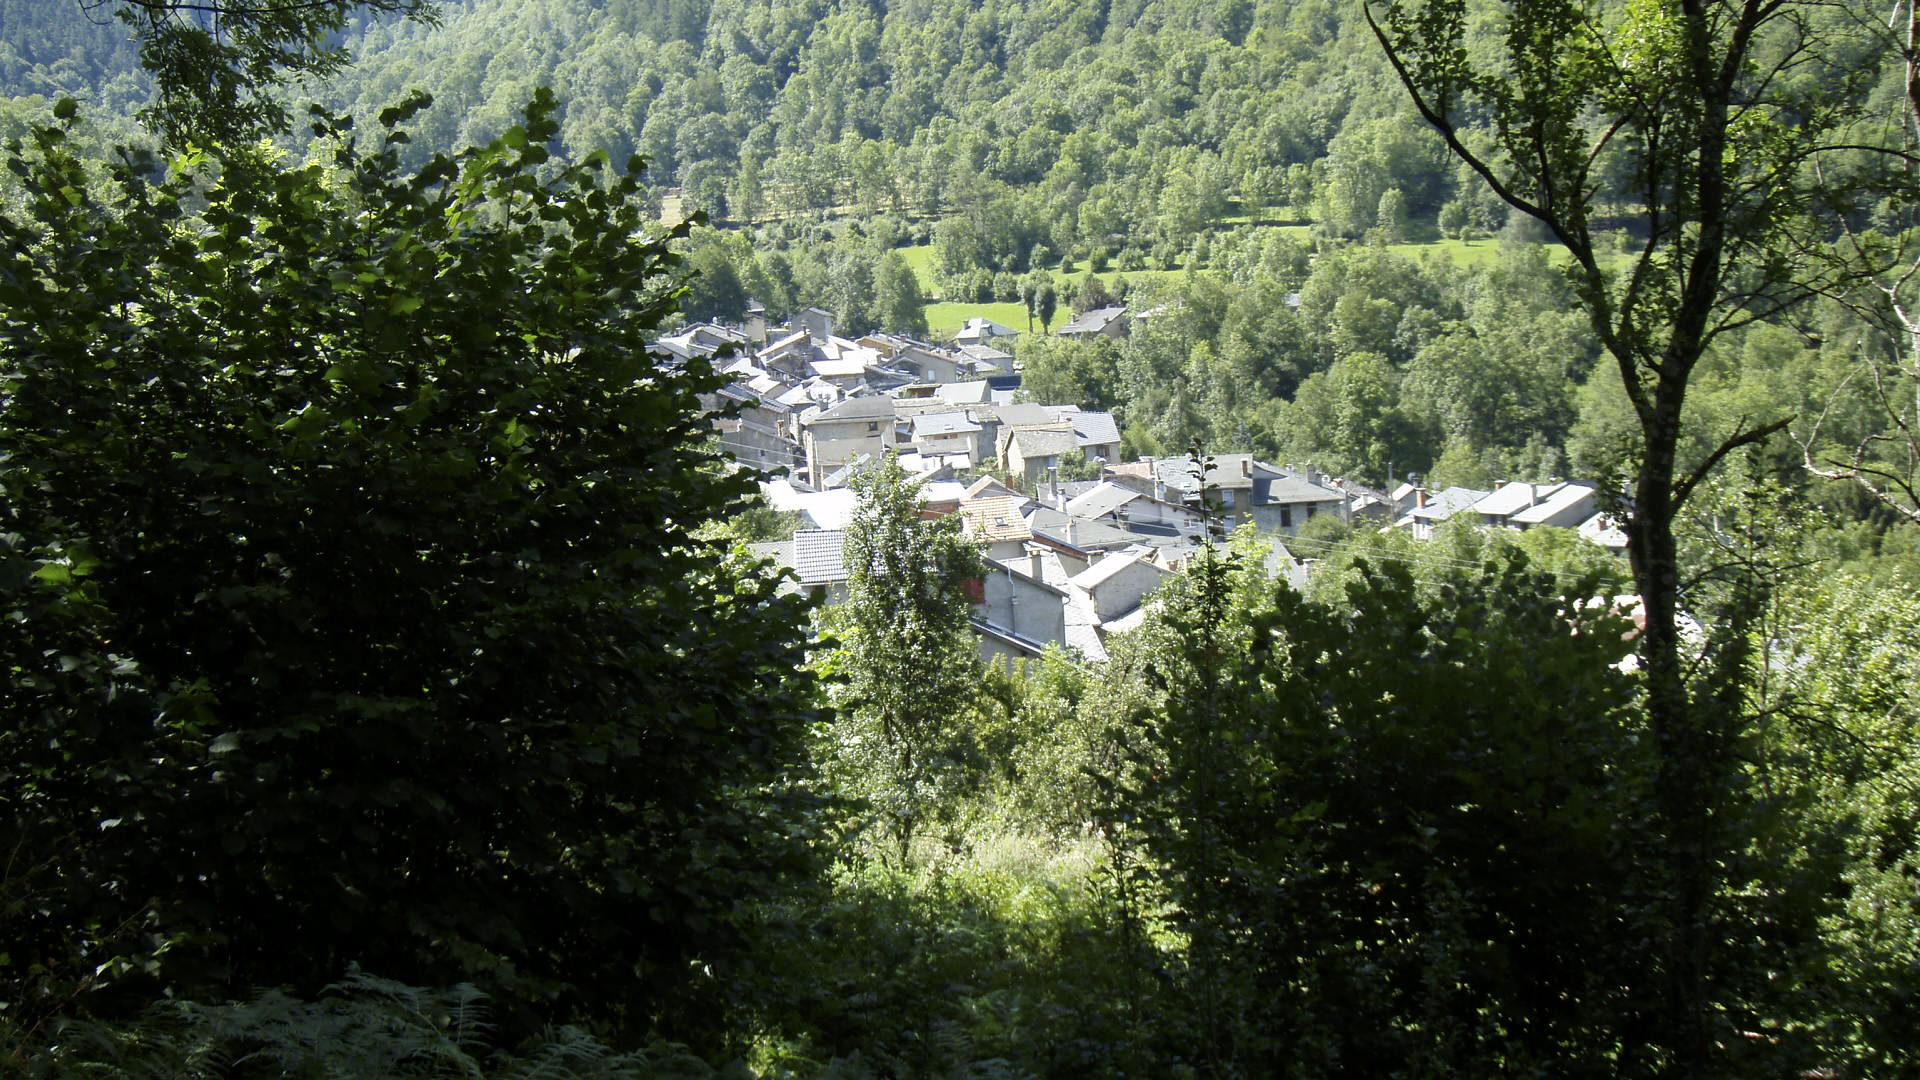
(1035, 564)
(1533, 493)
(1419, 497)
(1246, 465)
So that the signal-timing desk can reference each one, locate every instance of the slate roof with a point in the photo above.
(844, 367)
(781, 344)
(987, 356)
(1094, 428)
(1604, 531)
(939, 491)
(1043, 442)
(819, 556)
(1513, 498)
(1101, 501)
(1446, 503)
(943, 423)
(1289, 488)
(860, 408)
(1177, 472)
(1078, 533)
(1563, 499)
(981, 326)
(1024, 415)
(963, 393)
(830, 509)
(1107, 569)
(1092, 322)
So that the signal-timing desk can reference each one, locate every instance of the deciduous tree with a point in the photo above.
(910, 663)
(220, 63)
(1701, 118)
(351, 607)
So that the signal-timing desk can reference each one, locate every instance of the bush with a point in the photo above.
(349, 593)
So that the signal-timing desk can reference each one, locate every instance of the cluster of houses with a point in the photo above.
(1070, 563)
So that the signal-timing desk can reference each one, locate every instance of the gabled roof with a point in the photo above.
(1513, 498)
(1109, 568)
(1605, 531)
(1563, 499)
(1446, 503)
(943, 423)
(1227, 471)
(963, 393)
(781, 344)
(860, 408)
(986, 488)
(1043, 442)
(1104, 499)
(830, 509)
(1077, 533)
(985, 354)
(942, 491)
(1290, 489)
(982, 327)
(1094, 428)
(841, 368)
(843, 476)
(819, 556)
(996, 519)
(1092, 322)
(1024, 415)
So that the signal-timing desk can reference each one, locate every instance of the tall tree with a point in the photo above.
(910, 662)
(1093, 295)
(351, 607)
(898, 303)
(220, 63)
(1885, 460)
(1700, 118)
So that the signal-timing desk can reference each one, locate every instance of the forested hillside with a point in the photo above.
(1060, 123)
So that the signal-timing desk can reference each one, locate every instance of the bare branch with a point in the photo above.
(1732, 443)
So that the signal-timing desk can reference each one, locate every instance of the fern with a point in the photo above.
(361, 1028)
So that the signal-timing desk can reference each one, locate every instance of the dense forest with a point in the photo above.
(392, 692)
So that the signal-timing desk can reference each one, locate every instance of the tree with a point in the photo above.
(908, 657)
(1700, 118)
(1093, 295)
(899, 306)
(715, 289)
(1046, 301)
(1374, 869)
(351, 607)
(1071, 371)
(219, 63)
(1885, 461)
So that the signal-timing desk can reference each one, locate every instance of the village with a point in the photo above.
(1076, 538)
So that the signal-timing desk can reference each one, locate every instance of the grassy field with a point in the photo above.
(944, 317)
(1470, 252)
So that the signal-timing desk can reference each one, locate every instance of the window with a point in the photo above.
(1286, 517)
